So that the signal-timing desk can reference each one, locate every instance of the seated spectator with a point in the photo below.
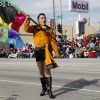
(86, 53)
(71, 55)
(13, 54)
(31, 53)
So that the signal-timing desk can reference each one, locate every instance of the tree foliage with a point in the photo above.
(85, 20)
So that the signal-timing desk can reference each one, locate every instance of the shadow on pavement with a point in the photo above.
(13, 97)
(75, 85)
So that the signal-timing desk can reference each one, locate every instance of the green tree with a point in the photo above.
(85, 21)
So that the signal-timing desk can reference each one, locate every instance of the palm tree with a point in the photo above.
(85, 21)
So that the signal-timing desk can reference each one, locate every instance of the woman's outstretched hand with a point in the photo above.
(27, 17)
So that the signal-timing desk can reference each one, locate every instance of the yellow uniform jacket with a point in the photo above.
(42, 39)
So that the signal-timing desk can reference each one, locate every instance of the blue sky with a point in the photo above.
(46, 6)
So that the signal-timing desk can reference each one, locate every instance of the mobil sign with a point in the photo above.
(78, 6)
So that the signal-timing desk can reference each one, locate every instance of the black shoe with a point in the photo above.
(44, 89)
(49, 87)
(43, 92)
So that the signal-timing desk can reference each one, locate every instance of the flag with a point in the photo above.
(12, 33)
(14, 38)
(11, 18)
(11, 14)
(5, 24)
(18, 21)
(17, 42)
(8, 13)
(3, 33)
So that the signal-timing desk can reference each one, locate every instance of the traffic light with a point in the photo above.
(52, 23)
(81, 27)
(59, 28)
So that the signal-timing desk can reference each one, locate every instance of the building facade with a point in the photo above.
(68, 30)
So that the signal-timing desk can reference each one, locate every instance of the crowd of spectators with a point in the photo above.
(68, 48)
(28, 52)
(80, 48)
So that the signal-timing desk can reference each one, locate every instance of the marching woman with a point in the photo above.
(44, 44)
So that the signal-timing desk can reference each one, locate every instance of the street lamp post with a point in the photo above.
(73, 26)
(72, 32)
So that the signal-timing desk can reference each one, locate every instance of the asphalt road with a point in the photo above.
(75, 79)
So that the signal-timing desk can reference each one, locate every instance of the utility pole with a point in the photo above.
(61, 15)
(54, 17)
(89, 21)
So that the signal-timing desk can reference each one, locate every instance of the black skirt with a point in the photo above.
(40, 53)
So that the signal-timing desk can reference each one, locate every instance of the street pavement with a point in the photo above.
(75, 79)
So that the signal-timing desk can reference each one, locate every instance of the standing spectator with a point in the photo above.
(97, 42)
(85, 42)
(65, 33)
(93, 39)
(97, 50)
(91, 44)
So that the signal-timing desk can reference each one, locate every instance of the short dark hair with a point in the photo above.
(40, 15)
